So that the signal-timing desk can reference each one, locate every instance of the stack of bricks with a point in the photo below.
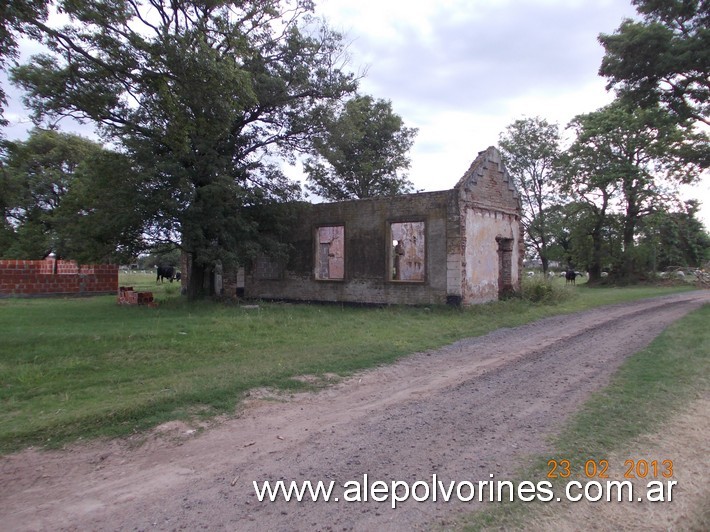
(128, 296)
(36, 278)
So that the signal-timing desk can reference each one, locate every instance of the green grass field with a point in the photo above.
(87, 367)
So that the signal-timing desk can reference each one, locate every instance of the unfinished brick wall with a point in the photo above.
(34, 278)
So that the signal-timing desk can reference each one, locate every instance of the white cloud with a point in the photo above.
(447, 66)
(462, 70)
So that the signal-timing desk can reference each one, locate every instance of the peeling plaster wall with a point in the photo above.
(409, 255)
(331, 253)
(481, 257)
(490, 210)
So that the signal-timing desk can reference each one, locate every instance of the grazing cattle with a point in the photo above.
(570, 276)
(178, 276)
(165, 272)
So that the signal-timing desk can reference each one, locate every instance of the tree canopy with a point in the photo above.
(58, 197)
(203, 96)
(362, 153)
(674, 238)
(530, 149)
(629, 160)
(664, 58)
(13, 17)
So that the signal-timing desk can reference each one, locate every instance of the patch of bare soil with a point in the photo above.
(479, 407)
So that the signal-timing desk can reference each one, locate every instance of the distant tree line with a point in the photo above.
(609, 199)
(199, 103)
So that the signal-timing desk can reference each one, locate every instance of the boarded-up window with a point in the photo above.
(330, 252)
(407, 257)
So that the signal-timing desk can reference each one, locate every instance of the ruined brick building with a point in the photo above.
(460, 246)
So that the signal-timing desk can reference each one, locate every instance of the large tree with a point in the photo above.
(37, 176)
(99, 221)
(530, 149)
(205, 97)
(631, 159)
(58, 196)
(675, 238)
(664, 58)
(567, 226)
(592, 181)
(14, 15)
(362, 153)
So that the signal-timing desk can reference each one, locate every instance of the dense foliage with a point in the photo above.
(201, 104)
(58, 196)
(203, 97)
(610, 201)
(628, 161)
(362, 153)
(664, 58)
(13, 17)
(531, 150)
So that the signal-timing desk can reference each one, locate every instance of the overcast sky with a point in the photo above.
(460, 71)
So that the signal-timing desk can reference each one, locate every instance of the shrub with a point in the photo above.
(546, 291)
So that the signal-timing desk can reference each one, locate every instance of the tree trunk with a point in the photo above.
(627, 265)
(595, 269)
(196, 281)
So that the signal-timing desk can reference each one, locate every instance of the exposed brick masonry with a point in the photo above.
(35, 278)
(128, 296)
(463, 246)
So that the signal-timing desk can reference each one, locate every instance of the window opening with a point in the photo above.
(330, 252)
(408, 251)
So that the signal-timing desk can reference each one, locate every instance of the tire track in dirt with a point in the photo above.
(478, 407)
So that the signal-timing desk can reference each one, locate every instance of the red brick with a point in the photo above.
(37, 277)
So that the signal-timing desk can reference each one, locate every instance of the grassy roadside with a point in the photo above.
(72, 368)
(650, 390)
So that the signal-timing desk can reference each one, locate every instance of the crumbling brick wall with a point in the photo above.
(360, 268)
(128, 296)
(50, 277)
(460, 246)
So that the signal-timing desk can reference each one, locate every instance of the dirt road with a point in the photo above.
(477, 408)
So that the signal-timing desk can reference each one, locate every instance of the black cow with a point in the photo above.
(165, 272)
(570, 276)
